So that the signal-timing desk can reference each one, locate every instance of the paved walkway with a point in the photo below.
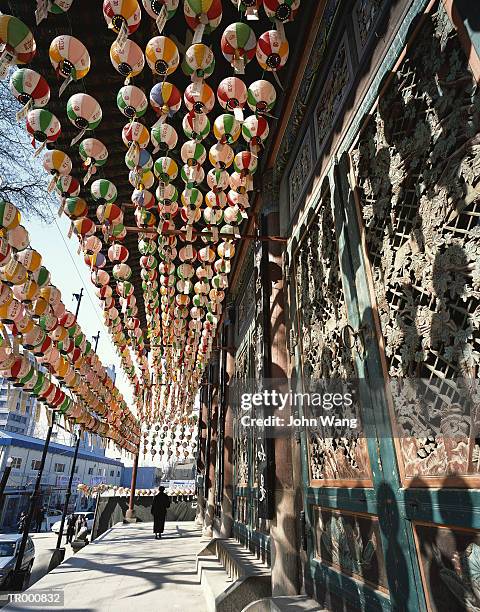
(126, 569)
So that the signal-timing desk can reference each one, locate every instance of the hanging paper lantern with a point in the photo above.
(240, 182)
(233, 215)
(132, 102)
(67, 186)
(164, 137)
(217, 180)
(145, 218)
(94, 155)
(213, 216)
(75, 207)
(227, 129)
(58, 7)
(30, 89)
(196, 127)
(118, 253)
(69, 58)
(41, 276)
(43, 126)
(192, 175)
(281, 10)
(216, 199)
(96, 260)
(109, 214)
(121, 271)
(255, 131)
(245, 163)
(84, 112)
(84, 227)
(165, 169)
(122, 13)
(135, 132)
(199, 62)
(192, 198)
(14, 273)
(30, 258)
(221, 156)
(139, 158)
(57, 163)
(272, 51)
(104, 191)
(203, 16)
(141, 179)
(18, 238)
(128, 61)
(9, 215)
(155, 8)
(232, 95)
(199, 97)
(238, 45)
(162, 55)
(193, 153)
(143, 198)
(5, 252)
(238, 199)
(17, 43)
(249, 7)
(165, 99)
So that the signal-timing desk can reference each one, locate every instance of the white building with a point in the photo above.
(91, 468)
(17, 409)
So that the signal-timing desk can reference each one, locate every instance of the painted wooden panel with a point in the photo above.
(351, 544)
(450, 563)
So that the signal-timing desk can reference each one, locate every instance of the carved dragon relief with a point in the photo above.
(417, 167)
(322, 317)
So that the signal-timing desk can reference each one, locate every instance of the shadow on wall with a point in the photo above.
(111, 510)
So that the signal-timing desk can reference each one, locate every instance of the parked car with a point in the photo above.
(9, 547)
(88, 515)
(51, 516)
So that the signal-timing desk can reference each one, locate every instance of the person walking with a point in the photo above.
(161, 502)
(21, 522)
(72, 519)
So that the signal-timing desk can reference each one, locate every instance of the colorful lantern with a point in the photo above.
(161, 11)
(249, 7)
(261, 96)
(132, 102)
(281, 10)
(30, 89)
(193, 153)
(240, 183)
(69, 58)
(272, 51)
(58, 7)
(143, 198)
(217, 180)
(75, 207)
(238, 45)
(67, 186)
(227, 129)
(18, 238)
(118, 253)
(245, 163)
(199, 97)
(238, 199)
(17, 43)
(192, 175)
(58, 164)
(164, 137)
(165, 169)
(203, 16)
(104, 191)
(255, 131)
(199, 62)
(94, 155)
(122, 15)
(135, 133)
(165, 99)
(128, 61)
(232, 96)
(141, 178)
(138, 158)
(162, 55)
(84, 112)
(216, 198)
(9, 215)
(221, 156)
(196, 127)
(43, 126)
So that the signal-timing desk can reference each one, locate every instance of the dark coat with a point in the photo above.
(160, 503)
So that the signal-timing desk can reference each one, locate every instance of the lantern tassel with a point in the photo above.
(64, 85)
(161, 20)
(276, 77)
(62, 206)
(51, 184)
(78, 137)
(199, 30)
(40, 149)
(23, 112)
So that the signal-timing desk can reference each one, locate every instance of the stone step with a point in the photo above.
(299, 603)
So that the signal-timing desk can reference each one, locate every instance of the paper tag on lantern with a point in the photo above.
(280, 29)
(238, 114)
(87, 177)
(62, 207)
(196, 89)
(78, 137)
(42, 10)
(122, 37)
(189, 238)
(40, 149)
(214, 231)
(199, 30)
(159, 121)
(70, 231)
(6, 59)
(252, 13)
(52, 183)
(23, 112)
(64, 85)
(238, 64)
(161, 20)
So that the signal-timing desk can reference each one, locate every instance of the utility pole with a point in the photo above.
(96, 338)
(78, 297)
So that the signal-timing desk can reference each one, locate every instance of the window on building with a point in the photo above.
(36, 464)
(99, 471)
(16, 463)
(112, 472)
(118, 472)
(75, 471)
(60, 467)
(90, 470)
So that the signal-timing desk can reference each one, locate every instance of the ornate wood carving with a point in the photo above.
(416, 165)
(322, 317)
(365, 15)
(300, 171)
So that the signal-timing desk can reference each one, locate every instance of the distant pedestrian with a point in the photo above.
(161, 502)
(21, 522)
(38, 518)
(71, 521)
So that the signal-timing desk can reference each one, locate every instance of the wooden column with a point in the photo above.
(130, 513)
(211, 448)
(284, 536)
(201, 455)
(226, 524)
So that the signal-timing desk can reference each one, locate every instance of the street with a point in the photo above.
(44, 546)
